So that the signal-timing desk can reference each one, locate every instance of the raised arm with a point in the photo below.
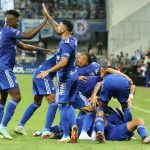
(33, 33)
(49, 18)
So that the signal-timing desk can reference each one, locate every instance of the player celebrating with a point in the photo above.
(116, 86)
(67, 76)
(41, 88)
(8, 83)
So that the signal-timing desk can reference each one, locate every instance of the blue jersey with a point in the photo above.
(50, 62)
(67, 48)
(86, 87)
(8, 40)
(92, 69)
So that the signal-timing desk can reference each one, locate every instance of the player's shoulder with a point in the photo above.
(71, 41)
(9, 30)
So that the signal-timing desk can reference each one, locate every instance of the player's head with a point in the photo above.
(11, 18)
(64, 26)
(83, 59)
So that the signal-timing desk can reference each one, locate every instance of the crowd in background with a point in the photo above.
(63, 9)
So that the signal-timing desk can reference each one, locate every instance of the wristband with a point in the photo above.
(131, 96)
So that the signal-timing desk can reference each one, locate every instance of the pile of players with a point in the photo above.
(80, 84)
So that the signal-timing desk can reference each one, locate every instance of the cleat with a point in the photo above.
(100, 137)
(37, 133)
(65, 140)
(1, 137)
(20, 130)
(84, 136)
(5, 133)
(146, 140)
(93, 136)
(46, 134)
(74, 134)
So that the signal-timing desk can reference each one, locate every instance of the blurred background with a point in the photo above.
(114, 32)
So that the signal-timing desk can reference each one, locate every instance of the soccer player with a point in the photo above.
(116, 86)
(41, 88)
(67, 75)
(8, 83)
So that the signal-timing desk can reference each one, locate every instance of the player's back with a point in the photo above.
(71, 48)
(86, 87)
(90, 70)
(8, 41)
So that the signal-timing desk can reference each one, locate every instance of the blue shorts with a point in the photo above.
(118, 132)
(42, 86)
(7, 80)
(81, 101)
(114, 87)
(66, 90)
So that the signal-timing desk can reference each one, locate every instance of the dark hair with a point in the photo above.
(12, 12)
(88, 57)
(68, 24)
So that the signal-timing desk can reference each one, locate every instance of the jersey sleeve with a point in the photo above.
(14, 33)
(66, 50)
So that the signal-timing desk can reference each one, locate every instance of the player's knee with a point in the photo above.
(17, 98)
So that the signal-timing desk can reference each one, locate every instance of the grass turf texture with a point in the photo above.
(141, 101)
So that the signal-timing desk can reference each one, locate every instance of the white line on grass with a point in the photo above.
(137, 108)
(141, 109)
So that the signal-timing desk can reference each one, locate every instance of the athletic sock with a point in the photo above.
(142, 131)
(28, 113)
(72, 116)
(9, 112)
(127, 114)
(50, 115)
(99, 124)
(1, 112)
(64, 119)
(88, 122)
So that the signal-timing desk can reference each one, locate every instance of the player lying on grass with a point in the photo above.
(9, 40)
(115, 127)
(41, 88)
(116, 86)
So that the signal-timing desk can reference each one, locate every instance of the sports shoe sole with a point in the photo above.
(100, 137)
(74, 134)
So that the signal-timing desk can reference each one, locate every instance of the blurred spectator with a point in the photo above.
(99, 48)
(93, 57)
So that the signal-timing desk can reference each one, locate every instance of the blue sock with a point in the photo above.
(127, 114)
(99, 124)
(9, 112)
(72, 116)
(88, 122)
(50, 115)
(64, 119)
(142, 131)
(28, 113)
(1, 112)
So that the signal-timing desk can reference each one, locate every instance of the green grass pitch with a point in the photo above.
(141, 109)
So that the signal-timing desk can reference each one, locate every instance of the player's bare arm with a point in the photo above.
(94, 97)
(34, 32)
(106, 71)
(49, 18)
(62, 63)
(29, 47)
